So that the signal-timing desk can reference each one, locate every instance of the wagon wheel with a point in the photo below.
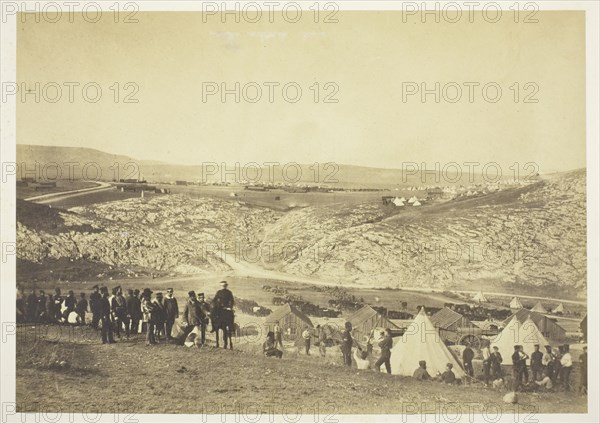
(470, 340)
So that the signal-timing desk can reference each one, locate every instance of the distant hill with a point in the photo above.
(334, 175)
(532, 237)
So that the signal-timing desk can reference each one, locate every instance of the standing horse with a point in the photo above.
(223, 319)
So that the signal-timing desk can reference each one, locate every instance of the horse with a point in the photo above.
(223, 319)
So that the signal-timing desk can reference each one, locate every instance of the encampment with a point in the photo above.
(517, 333)
(422, 342)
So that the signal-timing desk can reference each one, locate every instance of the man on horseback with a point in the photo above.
(222, 315)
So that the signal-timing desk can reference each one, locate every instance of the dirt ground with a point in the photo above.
(61, 368)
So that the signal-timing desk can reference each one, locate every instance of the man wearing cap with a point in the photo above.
(566, 361)
(82, 307)
(41, 314)
(70, 304)
(106, 317)
(194, 318)
(205, 308)
(147, 307)
(95, 307)
(583, 371)
(158, 314)
(224, 298)
(537, 368)
(118, 305)
(421, 372)
(134, 309)
(171, 312)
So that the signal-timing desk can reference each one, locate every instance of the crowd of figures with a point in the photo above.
(119, 316)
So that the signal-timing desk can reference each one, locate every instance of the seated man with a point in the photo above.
(362, 363)
(269, 348)
(546, 382)
(448, 376)
(421, 372)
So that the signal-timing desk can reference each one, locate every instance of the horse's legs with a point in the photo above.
(217, 336)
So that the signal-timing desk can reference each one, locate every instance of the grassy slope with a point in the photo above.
(130, 378)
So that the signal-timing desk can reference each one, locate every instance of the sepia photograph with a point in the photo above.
(291, 212)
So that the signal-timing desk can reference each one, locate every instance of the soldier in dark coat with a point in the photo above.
(31, 306)
(106, 317)
(119, 310)
(95, 306)
(537, 368)
(386, 352)
(158, 315)
(347, 343)
(134, 309)
(468, 356)
(171, 312)
(40, 312)
(50, 308)
(224, 297)
(70, 304)
(194, 316)
(82, 307)
(58, 300)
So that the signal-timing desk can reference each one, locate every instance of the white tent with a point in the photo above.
(515, 333)
(422, 342)
(417, 203)
(412, 199)
(398, 202)
(538, 307)
(515, 303)
(402, 199)
(479, 297)
(560, 309)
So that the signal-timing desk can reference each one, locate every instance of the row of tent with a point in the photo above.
(400, 201)
(515, 303)
(423, 339)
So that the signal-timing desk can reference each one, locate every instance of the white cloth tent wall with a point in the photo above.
(422, 342)
(479, 297)
(538, 307)
(398, 202)
(560, 309)
(515, 303)
(515, 333)
(412, 199)
(417, 203)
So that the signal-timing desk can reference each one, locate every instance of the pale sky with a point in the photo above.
(368, 55)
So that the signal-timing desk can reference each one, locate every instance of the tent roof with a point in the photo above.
(559, 308)
(538, 307)
(284, 310)
(421, 342)
(479, 296)
(541, 321)
(444, 318)
(515, 303)
(366, 313)
(524, 333)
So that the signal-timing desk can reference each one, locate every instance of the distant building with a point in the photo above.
(452, 325)
(181, 183)
(291, 321)
(365, 320)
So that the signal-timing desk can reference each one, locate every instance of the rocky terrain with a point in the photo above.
(534, 236)
(173, 234)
